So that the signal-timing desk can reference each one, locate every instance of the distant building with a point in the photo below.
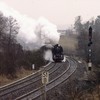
(63, 32)
(67, 32)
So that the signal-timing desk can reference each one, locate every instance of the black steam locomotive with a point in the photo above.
(57, 53)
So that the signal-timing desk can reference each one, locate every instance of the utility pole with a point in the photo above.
(90, 49)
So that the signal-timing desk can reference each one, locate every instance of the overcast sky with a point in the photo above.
(60, 12)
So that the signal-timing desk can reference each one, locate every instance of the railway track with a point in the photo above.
(23, 79)
(15, 85)
(20, 87)
(36, 93)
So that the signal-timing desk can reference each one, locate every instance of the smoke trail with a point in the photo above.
(33, 33)
(48, 55)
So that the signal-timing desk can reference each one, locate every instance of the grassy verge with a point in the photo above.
(20, 74)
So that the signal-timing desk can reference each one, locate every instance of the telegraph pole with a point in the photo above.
(90, 49)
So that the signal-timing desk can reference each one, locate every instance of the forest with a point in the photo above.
(13, 56)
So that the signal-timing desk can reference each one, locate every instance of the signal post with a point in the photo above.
(45, 80)
(90, 50)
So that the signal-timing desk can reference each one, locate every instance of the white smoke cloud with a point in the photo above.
(48, 55)
(34, 33)
(47, 32)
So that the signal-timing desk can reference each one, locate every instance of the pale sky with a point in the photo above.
(59, 12)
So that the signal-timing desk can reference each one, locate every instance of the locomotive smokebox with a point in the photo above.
(57, 53)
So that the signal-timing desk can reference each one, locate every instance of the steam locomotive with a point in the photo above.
(57, 53)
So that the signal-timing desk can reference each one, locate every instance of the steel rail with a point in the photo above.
(22, 81)
(55, 82)
(60, 79)
(32, 82)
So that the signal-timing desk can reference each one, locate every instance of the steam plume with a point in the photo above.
(33, 33)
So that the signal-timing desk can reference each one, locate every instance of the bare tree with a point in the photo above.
(8, 45)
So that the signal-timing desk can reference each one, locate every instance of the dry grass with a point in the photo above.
(24, 73)
(93, 95)
(20, 74)
(4, 80)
